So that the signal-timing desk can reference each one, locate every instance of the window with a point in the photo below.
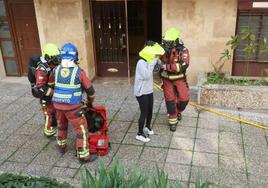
(258, 24)
(6, 46)
(255, 17)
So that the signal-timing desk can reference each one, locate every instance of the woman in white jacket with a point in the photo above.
(143, 87)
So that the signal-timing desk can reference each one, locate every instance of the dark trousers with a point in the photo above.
(146, 107)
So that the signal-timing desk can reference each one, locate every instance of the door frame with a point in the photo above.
(14, 37)
(93, 34)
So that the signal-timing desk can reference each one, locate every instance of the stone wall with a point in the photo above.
(231, 96)
(205, 25)
(61, 21)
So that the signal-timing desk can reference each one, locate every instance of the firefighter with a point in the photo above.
(70, 82)
(173, 75)
(44, 89)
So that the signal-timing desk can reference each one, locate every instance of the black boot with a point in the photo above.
(90, 158)
(173, 128)
(179, 116)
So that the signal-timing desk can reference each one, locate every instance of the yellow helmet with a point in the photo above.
(150, 52)
(172, 34)
(51, 50)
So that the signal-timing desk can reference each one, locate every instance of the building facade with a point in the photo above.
(109, 34)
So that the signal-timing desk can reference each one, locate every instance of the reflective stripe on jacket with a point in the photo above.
(68, 89)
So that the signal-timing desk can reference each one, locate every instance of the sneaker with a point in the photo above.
(142, 138)
(147, 131)
(90, 158)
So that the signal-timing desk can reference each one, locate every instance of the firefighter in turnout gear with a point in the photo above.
(70, 82)
(173, 75)
(43, 89)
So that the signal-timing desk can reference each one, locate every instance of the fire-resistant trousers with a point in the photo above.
(50, 117)
(176, 95)
(80, 126)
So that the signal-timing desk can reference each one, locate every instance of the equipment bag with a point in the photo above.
(97, 125)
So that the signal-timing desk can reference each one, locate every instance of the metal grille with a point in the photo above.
(258, 24)
(110, 34)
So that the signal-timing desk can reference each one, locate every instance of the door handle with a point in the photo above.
(20, 42)
(123, 46)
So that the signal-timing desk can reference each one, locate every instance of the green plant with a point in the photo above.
(115, 177)
(251, 44)
(215, 78)
(218, 65)
(200, 184)
(12, 180)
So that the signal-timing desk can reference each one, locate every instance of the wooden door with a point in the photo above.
(110, 37)
(25, 31)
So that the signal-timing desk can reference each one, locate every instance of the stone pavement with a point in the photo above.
(228, 153)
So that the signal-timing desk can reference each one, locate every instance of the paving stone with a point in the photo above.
(258, 168)
(125, 115)
(154, 154)
(204, 173)
(128, 152)
(150, 167)
(206, 145)
(37, 120)
(68, 160)
(38, 142)
(188, 121)
(27, 129)
(182, 143)
(130, 138)
(161, 129)
(185, 132)
(47, 157)
(116, 138)
(12, 167)
(111, 113)
(24, 155)
(229, 137)
(177, 171)
(208, 123)
(37, 170)
(137, 116)
(231, 178)
(205, 159)
(190, 111)
(258, 181)
(60, 172)
(250, 130)
(161, 119)
(119, 127)
(133, 128)
(234, 163)
(180, 184)
(232, 150)
(179, 156)
(229, 126)
(256, 140)
(253, 153)
(6, 152)
(159, 141)
(207, 133)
